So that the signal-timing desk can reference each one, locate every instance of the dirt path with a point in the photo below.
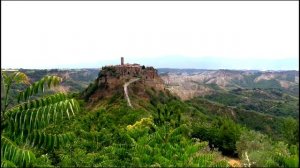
(126, 91)
(234, 162)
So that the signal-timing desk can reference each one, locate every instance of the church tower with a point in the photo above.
(122, 60)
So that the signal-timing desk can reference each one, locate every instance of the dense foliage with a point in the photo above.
(24, 126)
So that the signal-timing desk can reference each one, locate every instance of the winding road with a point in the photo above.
(126, 91)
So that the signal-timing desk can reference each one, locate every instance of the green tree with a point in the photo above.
(258, 150)
(290, 130)
(222, 133)
(165, 145)
(229, 133)
(24, 125)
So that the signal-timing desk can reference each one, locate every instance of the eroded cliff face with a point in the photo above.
(112, 78)
(206, 82)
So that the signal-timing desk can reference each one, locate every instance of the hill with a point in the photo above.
(111, 80)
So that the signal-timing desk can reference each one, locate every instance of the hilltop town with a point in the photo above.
(111, 78)
(129, 71)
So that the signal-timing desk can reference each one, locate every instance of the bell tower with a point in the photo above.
(122, 60)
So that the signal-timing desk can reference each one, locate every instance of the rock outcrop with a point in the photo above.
(112, 78)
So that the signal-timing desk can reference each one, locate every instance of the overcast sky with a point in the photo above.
(211, 35)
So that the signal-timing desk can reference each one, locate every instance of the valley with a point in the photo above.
(188, 84)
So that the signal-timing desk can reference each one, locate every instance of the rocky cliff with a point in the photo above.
(111, 79)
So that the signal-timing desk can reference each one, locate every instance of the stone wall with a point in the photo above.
(133, 71)
(124, 71)
(110, 76)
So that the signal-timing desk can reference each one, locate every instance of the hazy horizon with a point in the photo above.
(206, 65)
(183, 35)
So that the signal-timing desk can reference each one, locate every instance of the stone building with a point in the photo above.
(130, 70)
(110, 75)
